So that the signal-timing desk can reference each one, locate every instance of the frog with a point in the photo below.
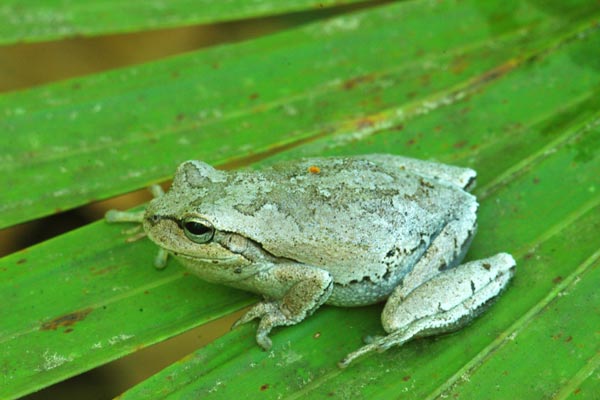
(344, 231)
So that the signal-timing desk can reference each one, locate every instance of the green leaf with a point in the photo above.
(143, 121)
(507, 88)
(36, 20)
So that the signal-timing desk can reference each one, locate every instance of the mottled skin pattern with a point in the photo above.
(344, 231)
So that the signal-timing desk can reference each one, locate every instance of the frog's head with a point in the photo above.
(172, 222)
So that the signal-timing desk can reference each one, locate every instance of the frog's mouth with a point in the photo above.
(224, 270)
(212, 260)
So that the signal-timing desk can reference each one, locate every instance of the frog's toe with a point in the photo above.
(161, 258)
(369, 348)
(384, 345)
(270, 316)
(124, 216)
(253, 313)
(368, 339)
(263, 339)
(377, 344)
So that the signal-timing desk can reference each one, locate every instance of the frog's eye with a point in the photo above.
(198, 230)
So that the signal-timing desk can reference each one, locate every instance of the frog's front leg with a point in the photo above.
(132, 216)
(116, 216)
(294, 292)
(443, 304)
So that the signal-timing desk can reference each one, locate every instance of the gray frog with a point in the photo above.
(345, 231)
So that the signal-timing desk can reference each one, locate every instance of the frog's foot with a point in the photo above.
(115, 216)
(443, 304)
(378, 344)
(134, 234)
(306, 289)
(270, 315)
(161, 258)
(382, 343)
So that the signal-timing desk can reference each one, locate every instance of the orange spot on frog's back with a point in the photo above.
(313, 169)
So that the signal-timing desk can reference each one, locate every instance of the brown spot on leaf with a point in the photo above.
(103, 271)
(264, 387)
(459, 64)
(486, 266)
(460, 145)
(351, 83)
(22, 261)
(406, 378)
(558, 279)
(497, 72)
(365, 123)
(253, 96)
(66, 320)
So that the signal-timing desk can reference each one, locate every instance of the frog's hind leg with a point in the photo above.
(439, 295)
(446, 251)
(445, 303)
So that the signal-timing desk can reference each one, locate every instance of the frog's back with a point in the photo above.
(356, 217)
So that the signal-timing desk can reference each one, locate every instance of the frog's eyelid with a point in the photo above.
(180, 222)
(155, 219)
